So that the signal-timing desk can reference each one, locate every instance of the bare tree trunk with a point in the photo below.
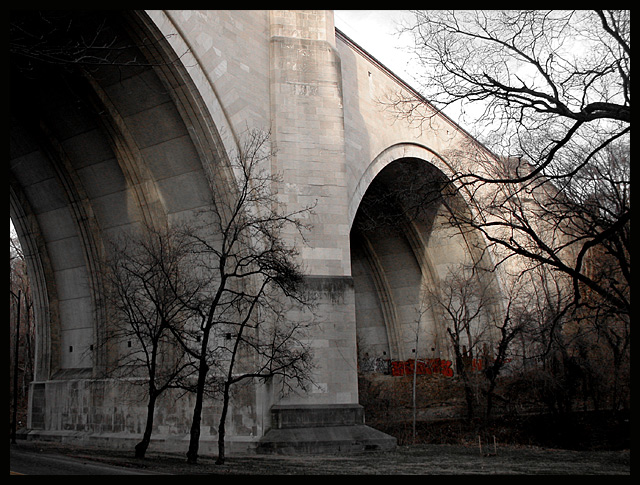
(468, 395)
(492, 372)
(462, 370)
(141, 448)
(221, 426)
(194, 442)
(14, 418)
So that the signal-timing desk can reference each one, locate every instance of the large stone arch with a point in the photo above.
(387, 156)
(395, 258)
(96, 151)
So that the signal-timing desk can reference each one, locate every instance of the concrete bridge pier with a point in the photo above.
(96, 153)
(307, 129)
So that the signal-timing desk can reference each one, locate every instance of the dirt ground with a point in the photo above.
(405, 460)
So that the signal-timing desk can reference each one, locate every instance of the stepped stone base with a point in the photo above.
(322, 429)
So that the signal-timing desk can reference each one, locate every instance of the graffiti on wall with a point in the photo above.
(376, 365)
(424, 367)
(435, 366)
(477, 364)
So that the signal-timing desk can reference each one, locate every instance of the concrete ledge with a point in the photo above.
(292, 416)
(321, 429)
(326, 439)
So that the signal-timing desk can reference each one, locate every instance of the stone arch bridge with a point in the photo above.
(98, 149)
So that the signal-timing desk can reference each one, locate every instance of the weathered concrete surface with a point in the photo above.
(96, 155)
(317, 429)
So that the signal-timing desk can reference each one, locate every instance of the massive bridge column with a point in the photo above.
(308, 136)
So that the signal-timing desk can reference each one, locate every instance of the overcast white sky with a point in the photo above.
(376, 31)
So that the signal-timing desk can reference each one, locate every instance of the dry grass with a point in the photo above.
(405, 460)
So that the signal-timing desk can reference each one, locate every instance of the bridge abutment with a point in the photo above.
(151, 144)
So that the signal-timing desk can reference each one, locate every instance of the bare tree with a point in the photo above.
(72, 40)
(513, 322)
(277, 347)
(151, 287)
(530, 69)
(550, 194)
(198, 296)
(547, 366)
(253, 264)
(554, 92)
(469, 305)
(21, 329)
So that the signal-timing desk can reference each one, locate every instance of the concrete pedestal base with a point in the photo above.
(322, 429)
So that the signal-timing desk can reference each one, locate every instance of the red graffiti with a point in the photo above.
(479, 365)
(424, 367)
(476, 364)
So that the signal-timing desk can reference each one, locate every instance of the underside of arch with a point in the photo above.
(404, 243)
(102, 138)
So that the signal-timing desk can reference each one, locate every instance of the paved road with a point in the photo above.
(32, 462)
